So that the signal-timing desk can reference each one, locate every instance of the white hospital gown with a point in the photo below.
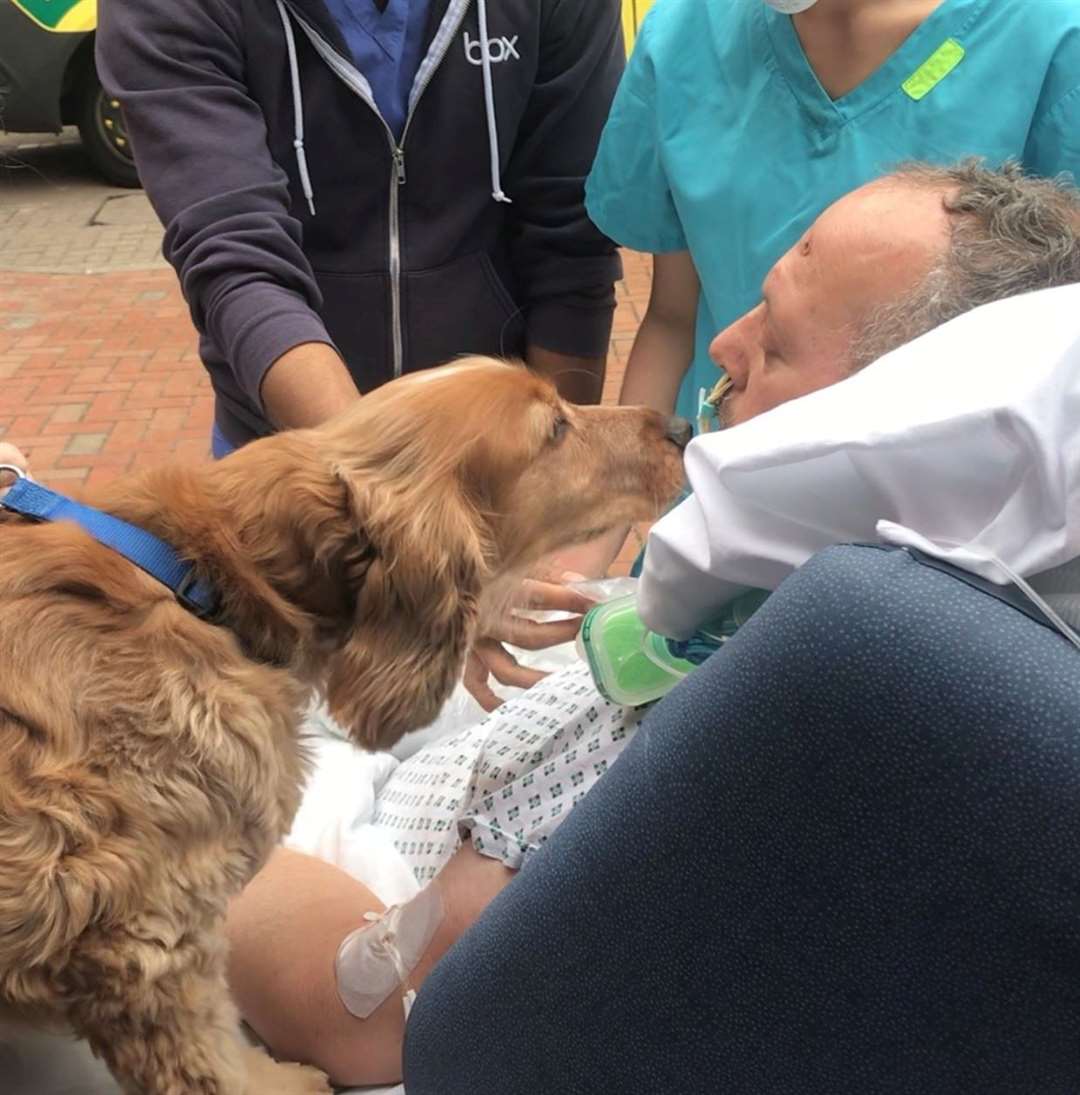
(507, 782)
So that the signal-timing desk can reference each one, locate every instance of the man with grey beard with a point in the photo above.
(889, 262)
(884, 264)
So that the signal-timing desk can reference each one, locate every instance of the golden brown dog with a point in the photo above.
(149, 760)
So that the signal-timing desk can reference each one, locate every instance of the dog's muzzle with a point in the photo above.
(679, 431)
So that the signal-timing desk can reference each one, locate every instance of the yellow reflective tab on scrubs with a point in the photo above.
(934, 69)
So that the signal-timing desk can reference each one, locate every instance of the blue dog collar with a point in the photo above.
(138, 546)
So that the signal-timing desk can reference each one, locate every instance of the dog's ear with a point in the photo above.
(415, 610)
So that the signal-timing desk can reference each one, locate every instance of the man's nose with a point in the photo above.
(679, 430)
(716, 348)
(730, 348)
(726, 355)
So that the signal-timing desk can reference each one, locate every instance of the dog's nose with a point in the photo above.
(679, 430)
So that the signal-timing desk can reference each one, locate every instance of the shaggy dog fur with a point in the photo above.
(149, 760)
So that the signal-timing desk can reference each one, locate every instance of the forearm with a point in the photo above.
(594, 559)
(469, 883)
(204, 156)
(661, 354)
(565, 268)
(664, 347)
(307, 385)
(284, 933)
(579, 379)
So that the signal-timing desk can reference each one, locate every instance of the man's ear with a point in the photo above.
(415, 611)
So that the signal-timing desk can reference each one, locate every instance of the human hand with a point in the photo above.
(11, 455)
(490, 658)
(594, 559)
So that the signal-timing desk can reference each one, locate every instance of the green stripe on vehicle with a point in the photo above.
(60, 16)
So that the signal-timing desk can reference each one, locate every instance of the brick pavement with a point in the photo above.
(57, 217)
(98, 370)
(99, 375)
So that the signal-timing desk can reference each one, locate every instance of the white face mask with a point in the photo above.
(790, 7)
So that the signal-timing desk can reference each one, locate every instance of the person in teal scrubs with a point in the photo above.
(739, 121)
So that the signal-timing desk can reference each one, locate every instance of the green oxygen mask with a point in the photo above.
(632, 665)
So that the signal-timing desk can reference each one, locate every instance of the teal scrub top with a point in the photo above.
(722, 141)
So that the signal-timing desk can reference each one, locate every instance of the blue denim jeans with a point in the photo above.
(220, 445)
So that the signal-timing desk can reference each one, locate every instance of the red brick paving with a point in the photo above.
(99, 374)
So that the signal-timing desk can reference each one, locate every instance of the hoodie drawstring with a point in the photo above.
(497, 191)
(298, 110)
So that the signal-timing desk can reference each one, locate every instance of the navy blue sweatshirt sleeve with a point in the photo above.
(200, 146)
(566, 267)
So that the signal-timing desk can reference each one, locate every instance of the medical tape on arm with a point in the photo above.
(377, 959)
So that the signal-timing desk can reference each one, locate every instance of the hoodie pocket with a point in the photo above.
(460, 308)
(356, 311)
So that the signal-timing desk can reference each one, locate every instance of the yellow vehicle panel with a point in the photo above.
(633, 11)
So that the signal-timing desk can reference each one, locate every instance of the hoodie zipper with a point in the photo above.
(355, 82)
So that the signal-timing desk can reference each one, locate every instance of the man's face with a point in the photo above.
(871, 246)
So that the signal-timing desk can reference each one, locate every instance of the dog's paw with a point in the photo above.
(303, 1080)
(269, 1077)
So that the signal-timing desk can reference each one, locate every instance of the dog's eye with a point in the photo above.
(560, 428)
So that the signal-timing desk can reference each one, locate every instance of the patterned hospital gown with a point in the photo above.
(509, 781)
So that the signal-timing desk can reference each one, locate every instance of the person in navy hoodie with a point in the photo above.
(354, 189)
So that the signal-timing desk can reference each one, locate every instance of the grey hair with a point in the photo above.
(1009, 233)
